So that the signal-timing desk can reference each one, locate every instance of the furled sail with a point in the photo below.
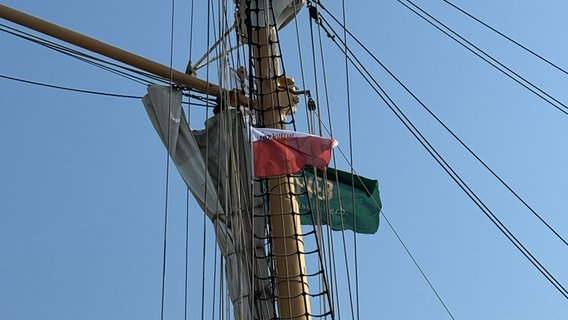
(282, 12)
(215, 165)
(182, 147)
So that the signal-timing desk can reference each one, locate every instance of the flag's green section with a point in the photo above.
(332, 199)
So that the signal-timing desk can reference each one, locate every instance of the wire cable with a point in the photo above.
(449, 170)
(187, 192)
(356, 314)
(346, 53)
(507, 37)
(121, 70)
(116, 95)
(487, 58)
(329, 260)
(460, 141)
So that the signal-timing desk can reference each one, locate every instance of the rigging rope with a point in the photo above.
(264, 79)
(487, 58)
(121, 70)
(460, 141)
(116, 95)
(351, 166)
(432, 151)
(167, 185)
(329, 261)
(507, 37)
(315, 113)
(332, 260)
(208, 28)
(330, 236)
(187, 192)
(351, 161)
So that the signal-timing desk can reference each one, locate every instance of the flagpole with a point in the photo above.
(118, 54)
(288, 247)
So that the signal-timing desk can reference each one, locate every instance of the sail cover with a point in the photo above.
(215, 165)
(283, 11)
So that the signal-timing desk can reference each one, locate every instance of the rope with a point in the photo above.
(507, 37)
(510, 189)
(206, 196)
(164, 259)
(121, 70)
(416, 133)
(116, 95)
(350, 130)
(488, 58)
(187, 193)
(332, 261)
(329, 268)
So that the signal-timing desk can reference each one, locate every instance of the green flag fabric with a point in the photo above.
(338, 192)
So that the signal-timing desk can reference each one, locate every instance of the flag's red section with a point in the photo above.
(280, 152)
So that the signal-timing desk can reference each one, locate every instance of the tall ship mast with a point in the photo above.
(256, 216)
(241, 181)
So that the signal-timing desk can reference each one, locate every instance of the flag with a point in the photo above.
(278, 152)
(338, 193)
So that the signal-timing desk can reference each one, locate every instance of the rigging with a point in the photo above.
(507, 37)
(460, 141)
(487, 58)
(449, 170)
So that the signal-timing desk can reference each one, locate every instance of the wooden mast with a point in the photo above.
(294, 302)
(288, 247)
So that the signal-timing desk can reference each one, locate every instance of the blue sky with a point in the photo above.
(82, 192)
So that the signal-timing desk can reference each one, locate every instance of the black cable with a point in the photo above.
(351, 161)
(95, 61)
(449, 170)
(417, 265)
(70, 89)
(486, 57)
(206, 104)
(334, 299)
(506, 37)
(167, 184)
(186, 269)
(400, 115)
(56, 47)
(128, 72)
(455, 136)
(328, 272)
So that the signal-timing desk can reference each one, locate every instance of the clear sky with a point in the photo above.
(82, 177)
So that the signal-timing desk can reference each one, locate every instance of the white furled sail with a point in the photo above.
(164, 109)
(283, 11)
(221, 185)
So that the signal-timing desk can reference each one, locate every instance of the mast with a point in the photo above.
(288, 247)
